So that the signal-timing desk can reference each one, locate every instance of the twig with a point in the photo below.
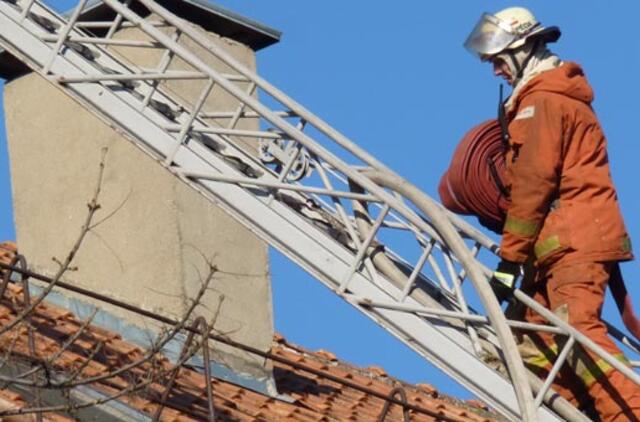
(93, 208)
(75, 407)
(128, 390)
(50, 361)
(73, 338)
(155, 348)
(112, 213)
(9, 352)
(76, 372)
(109, 248)
(66, 385)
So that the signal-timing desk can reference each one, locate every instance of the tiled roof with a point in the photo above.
(339, 402)
(303, 396)
(7, 251)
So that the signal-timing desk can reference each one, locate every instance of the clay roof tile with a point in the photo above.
(377, 371)
(314, 397)
(326, 355)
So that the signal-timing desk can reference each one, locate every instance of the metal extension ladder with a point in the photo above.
(368, 235)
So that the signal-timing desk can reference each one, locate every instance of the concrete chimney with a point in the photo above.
(151, 248)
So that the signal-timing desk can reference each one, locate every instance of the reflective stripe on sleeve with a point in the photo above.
(626, 244)
(547, 246)
(526, 228)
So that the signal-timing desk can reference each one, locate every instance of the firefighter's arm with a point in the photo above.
(537, 133)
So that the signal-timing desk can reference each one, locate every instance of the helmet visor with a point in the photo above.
(490, 36)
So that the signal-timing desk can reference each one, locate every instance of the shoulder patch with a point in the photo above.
(526, 113)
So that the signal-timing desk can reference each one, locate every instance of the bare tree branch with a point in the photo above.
(133, 377)
(93, 208)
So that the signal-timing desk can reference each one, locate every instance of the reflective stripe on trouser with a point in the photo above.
(539, 353)
(540, 360)
(544, 247)
(589, 370)
(539, 350)
(576, 293)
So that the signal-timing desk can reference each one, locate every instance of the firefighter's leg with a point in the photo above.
(539, 350)
(576, 293)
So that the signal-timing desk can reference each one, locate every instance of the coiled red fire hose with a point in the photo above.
(472, 185)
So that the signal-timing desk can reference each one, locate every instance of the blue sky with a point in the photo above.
(395, 79)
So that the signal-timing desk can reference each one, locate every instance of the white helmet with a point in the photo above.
(508, 29)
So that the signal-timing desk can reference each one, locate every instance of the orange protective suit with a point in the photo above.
(564, 211)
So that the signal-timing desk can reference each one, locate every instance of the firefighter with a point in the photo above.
(564, 213)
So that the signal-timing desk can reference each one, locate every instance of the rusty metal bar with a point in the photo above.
(21, 262)
(6, 278)
(398, 391)
(198, 324)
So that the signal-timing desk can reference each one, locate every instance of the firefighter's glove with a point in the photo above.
(504, 279)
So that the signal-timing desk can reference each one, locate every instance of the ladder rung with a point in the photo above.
(227, 76)
(104, 41)
(229, 132)
(474, 318)
(244, 114)
(275, 185)
(131, 77)
(109, 24)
